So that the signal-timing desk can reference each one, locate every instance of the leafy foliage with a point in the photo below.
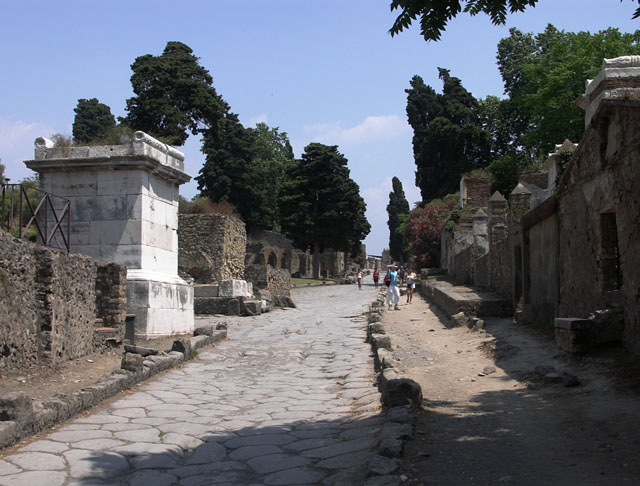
(398, 211)
(448, 137)
(544, 74)
(423, 228)
(246, 167)
(173, 95)
(435, 14)
(321, 206)
(93, 121)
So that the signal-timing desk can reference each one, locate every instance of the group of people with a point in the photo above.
(394, 277)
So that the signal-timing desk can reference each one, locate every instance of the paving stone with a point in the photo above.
(98, 444)
(300, 475)
(185, 442)
(7, 468)
(44, 446)
(249, 452)
(341, 448)
(88, 464)
(139, 435)
(34, 478)
(155, 461)
(263, 439)
(78, 435)
(276, 462)
(210, 451)
(151, 478)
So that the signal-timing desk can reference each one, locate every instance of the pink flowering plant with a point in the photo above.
(423, 227)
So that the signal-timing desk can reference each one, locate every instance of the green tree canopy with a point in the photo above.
(448, 137)
(93, 121)
(398, 211)
(246, 167)
(173, 95)
(544, 74)
(435, 14)
(321, 206)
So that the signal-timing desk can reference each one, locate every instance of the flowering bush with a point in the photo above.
(423, 226)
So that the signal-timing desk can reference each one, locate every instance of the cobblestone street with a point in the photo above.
(288, 399)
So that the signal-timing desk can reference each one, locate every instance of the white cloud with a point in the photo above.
(373, 128)
(16, 145)
(260, 118)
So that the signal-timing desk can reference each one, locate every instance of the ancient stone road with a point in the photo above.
(288, 399)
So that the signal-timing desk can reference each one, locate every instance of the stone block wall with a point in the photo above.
(601, 185)
(19, 307)
(263, 277)
(49, 303)
(111, 294)
(212, 247)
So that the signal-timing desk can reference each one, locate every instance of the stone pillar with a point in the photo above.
(474, 191)
(479, 259)
(124, 209)
(500, 261)
(520, 202)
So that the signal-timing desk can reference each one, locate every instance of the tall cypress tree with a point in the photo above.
(321, 206)
(448, 137)
(398, 211)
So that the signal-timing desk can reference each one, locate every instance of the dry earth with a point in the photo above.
(42, 382)
(492, 415)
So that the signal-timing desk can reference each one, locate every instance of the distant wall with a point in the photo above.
(264, 277)
(49, 303)
(212, 247)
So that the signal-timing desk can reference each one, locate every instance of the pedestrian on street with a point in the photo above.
(401, 275)
(411, 284)
(393, 293)
(376, 277)
(359, 279)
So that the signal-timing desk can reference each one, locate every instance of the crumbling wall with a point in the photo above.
(19, 308)
(211, 247)
(585, 194)
(49, 302)
(111, 295)
(601, 183)
(625, 164)
(264, 277)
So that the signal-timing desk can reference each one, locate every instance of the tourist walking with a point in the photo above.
(359, 279)
(411, 284)
(376, 277)
(393, 293)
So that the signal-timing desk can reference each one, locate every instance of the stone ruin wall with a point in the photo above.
(604, 177)
(49, 304)
(264, 277)
(212, 247)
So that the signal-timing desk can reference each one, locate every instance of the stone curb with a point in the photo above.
(21, 417)
(400, 395)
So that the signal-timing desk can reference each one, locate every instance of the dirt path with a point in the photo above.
(493, 414)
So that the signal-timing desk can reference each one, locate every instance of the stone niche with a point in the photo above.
(124, 209)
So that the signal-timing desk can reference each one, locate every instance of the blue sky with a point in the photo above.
(323, 71)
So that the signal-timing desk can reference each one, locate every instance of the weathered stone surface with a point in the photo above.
(390, 447)
(252, 307)
(382, 466)
(394, 430)
(459, 320)
(182, 346)
(401, 415)
(233, 307)
(133, 362)
(397, 391)
(142, 351)
(16, 407)
(212, 247)
(204, 330)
